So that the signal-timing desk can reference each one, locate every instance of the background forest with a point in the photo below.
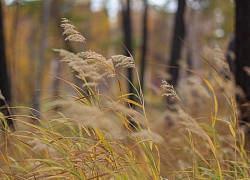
(124, 89)
(32, 31)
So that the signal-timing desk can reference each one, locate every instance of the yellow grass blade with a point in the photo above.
(215, 99)
(232, 129)
(132, 102)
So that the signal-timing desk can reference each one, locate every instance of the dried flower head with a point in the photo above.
(220, 60)
(124, 61)
(71, 31)
(170, 92)
(247, 70)
(89, 64)
(99, 63)
(89, 116)
(239, 92)
(125, 111)
(188, 122)
(195, 85)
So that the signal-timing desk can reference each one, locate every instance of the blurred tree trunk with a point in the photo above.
(242, 47)
(144, 43)
(4, 79)
(41, 59)
(127, 30)
(179, 33)
(189, 38)
(14, 41)
(56, 17)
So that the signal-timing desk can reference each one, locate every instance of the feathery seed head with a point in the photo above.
(124, 61)
(247, 70)
(71, 31)
(195, 85)
(187, 121)
(90, 116)
(170, 92)
(89, 64)
(125, 111)
(99, 63)
(220, 59)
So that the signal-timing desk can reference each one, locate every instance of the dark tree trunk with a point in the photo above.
(127, 30)
(242, 49)
(179, 32)
(144, 43)
(4, 80)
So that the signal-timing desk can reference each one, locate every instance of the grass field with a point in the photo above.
(89, 135)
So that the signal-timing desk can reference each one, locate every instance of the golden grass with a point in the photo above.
(89, 135)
